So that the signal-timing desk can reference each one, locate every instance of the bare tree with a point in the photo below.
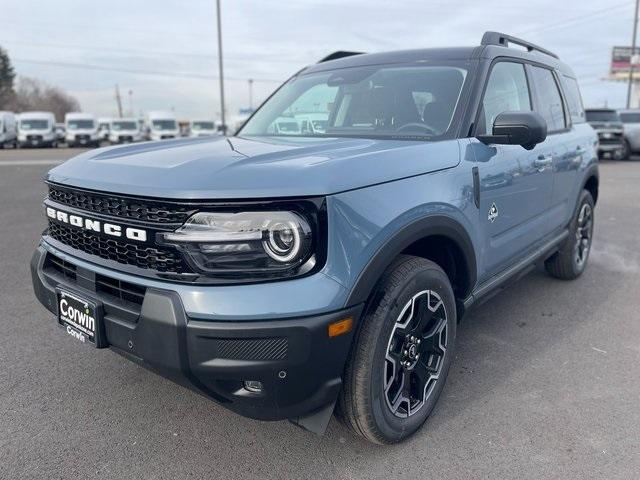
(33, 94)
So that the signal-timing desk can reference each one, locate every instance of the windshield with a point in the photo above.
(602, 116)
(202, 126)
(80, 124)
(124, 126)
(164, 124)
(630, 117)
(34, 124)
(388, 102)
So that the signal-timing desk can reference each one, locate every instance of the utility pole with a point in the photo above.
(251, 93)
(118, 101)
(224, 122)
(633, 54)
(131, 103)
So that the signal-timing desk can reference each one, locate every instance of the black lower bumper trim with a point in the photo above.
(299, 366)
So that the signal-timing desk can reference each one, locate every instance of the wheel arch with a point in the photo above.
(438, 238)
(591, 183)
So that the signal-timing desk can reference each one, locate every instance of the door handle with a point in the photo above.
(542, 162)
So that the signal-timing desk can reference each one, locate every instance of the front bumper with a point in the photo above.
(299, 366)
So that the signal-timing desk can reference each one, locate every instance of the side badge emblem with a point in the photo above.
(493, 213)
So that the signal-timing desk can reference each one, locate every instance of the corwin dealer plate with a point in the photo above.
(79, 316)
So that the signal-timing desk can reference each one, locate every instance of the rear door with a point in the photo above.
(515, 188)
(563, 145)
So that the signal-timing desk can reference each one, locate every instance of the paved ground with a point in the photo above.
(545, 384)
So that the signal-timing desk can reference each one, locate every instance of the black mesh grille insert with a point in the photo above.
(253, 349)
(159, 259)
(121, 207)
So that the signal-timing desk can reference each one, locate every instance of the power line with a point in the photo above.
(94, 49)
(86, 66)
(579, 19)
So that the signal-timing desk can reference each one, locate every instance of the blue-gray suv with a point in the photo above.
(322, 257)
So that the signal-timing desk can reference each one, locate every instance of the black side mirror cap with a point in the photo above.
(517, 128)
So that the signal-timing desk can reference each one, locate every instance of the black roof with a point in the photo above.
(493, 45)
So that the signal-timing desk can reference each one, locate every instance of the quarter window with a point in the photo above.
(507, 91)
(574, 100)
(548, 99)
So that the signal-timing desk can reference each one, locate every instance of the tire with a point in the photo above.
(626, 152)
(570, 260)
(372, 402)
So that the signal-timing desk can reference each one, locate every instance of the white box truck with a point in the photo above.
(162, 125)
(36, 129)
(8, 132)
(82, 130)
(202, 128)
(124, 130)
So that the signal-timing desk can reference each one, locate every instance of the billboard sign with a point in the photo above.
(621, 59)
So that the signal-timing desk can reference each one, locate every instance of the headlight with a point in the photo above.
(246, 244)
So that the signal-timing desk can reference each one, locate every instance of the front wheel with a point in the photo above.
(402, 352)
(571, 259)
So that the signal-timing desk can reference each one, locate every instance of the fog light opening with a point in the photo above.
(253, 386)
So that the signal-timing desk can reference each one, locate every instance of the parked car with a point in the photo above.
(36, 129)
(202, 128)
(611, 141)
(284, 274)
(124, 130)
(8, 130)
(631, 126)
(162, 125)
(81, 130)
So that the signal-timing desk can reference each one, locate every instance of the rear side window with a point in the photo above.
(548, 99)
(574, 100)
(506, 91)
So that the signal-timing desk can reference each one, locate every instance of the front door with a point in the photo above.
(515, 184)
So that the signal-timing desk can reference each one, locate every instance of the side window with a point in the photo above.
(506, 91)
(574, 100)
(548, 99)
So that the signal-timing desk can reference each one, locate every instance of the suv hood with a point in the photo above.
(242, 168)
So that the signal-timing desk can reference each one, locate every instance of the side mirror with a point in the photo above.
(517, 128)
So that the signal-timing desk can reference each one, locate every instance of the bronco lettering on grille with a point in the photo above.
(137, 234)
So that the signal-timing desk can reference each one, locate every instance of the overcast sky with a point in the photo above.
(164, 51)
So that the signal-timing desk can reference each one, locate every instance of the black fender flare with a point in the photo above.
(590, 172)
(409, 234)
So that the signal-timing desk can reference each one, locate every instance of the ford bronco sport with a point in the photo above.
(285, 274)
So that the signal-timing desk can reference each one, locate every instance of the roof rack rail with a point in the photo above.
(503, 40)
(339, 54)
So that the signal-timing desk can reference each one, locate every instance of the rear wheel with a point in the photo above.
(402, 353)
(571, 259)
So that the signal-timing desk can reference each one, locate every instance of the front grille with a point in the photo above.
(120, 207)
(124, 291)
(253, 349)
(37, 138)
(160, 259)
(120, 299)
(65, 269)
(82, 136)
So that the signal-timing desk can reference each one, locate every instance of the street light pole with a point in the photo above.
(251, 93)
(633, 52)
(224, 122)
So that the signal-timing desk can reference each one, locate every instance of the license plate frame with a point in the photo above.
(81, 317)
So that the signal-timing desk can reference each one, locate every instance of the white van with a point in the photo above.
(124, 130)
(202, 128)
(162, 125)
(8, 132)
(82, 130)
(36, 129)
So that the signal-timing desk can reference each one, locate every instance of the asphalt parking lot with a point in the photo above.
(545, 383)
